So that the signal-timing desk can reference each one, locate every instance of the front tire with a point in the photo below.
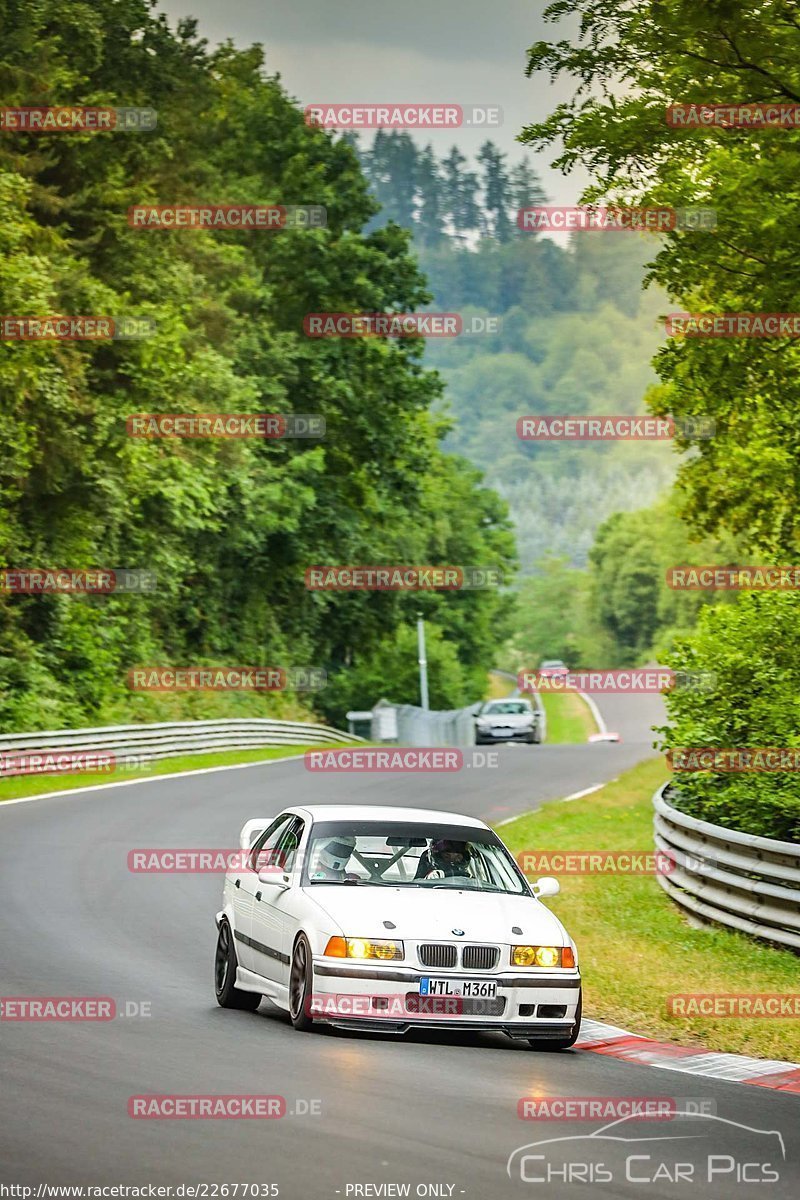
(225, 964)
(564, 1043)
(301, 985)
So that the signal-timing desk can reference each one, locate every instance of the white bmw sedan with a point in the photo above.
(391, 919)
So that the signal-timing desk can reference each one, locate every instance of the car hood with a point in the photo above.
(422, 914)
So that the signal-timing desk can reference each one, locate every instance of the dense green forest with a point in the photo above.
(625, 67)
(576, 335)
(228, 527)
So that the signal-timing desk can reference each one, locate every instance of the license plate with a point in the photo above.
(502, 730)
(484, 988)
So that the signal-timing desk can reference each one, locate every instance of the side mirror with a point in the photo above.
(546, 886)
(281, 881)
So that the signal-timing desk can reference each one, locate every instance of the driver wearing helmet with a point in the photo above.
(443, 858)
(331, 858)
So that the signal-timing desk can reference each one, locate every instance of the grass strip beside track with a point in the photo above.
(635, 945)
(569, 718)
(14, 787)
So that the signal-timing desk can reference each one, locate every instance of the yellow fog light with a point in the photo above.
(547, 956)
(365, 948)
(535, 956)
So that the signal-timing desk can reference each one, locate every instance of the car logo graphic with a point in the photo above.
(458, 932)
(627, 1123)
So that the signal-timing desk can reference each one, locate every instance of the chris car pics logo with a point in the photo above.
(695, 1148)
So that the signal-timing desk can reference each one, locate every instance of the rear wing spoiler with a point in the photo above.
(251, 830)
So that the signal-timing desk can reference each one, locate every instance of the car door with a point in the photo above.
(274, 908)
(245, 885)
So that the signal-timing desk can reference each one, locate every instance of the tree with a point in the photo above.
(392, 167)
(525, 188)
(227, 526)
(628, 63)
(497, 200)
(460, 195)
(430, 217)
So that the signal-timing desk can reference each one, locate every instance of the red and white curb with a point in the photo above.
(599, 1038)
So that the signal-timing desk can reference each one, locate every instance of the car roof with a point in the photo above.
(380, 812)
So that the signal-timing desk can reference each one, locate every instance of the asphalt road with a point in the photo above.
(432, 1109)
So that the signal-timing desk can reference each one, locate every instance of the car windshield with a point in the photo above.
(410, 855)
(505, 707)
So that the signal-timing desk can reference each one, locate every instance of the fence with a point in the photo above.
(421, 727)
(736, 879)
(141, 743)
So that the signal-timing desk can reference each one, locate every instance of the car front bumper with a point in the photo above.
(535, 1005)
(491, 737)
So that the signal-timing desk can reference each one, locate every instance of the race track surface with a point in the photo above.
(427, 1109)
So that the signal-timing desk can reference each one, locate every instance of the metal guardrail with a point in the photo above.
(735, 879)
(141, 743)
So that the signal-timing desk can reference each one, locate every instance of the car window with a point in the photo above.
(288, 845)
(261, 854)
(399, 854)
(508, 707)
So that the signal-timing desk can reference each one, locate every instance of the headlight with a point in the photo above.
(339, 947)
(540, 956)
(363, 948)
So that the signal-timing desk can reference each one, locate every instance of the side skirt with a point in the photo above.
(248, 981)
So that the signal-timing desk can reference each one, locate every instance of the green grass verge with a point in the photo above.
(12, 788)
(498, 687)
(635, 946)
(569, 718)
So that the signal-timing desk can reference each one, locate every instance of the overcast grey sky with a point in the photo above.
(461, 51)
